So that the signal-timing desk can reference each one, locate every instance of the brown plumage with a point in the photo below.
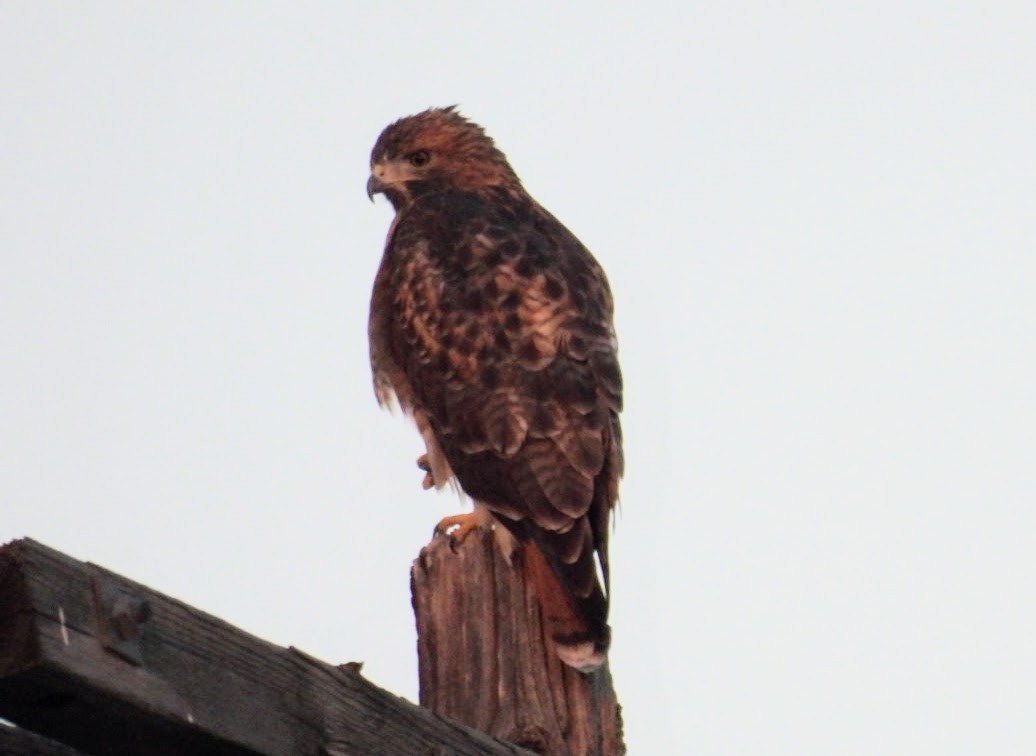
(491, 325)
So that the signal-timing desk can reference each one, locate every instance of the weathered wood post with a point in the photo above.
(485, 660)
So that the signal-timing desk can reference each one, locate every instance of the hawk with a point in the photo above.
(491, 325)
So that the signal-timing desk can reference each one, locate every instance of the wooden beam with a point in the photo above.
(103, 664)
(485, 659)
(18, 742)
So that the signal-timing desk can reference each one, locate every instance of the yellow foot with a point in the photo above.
(424, 464)
(458, 527)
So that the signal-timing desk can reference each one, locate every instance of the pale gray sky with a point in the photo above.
(818, 224)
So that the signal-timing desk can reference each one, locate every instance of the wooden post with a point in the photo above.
(485, 660)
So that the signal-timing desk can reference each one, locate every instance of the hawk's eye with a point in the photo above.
(419, 158)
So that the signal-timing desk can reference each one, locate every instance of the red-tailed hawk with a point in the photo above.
(491, 324)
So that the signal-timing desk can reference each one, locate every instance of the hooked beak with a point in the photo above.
(374, 186)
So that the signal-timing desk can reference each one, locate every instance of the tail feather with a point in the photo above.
(575, 619)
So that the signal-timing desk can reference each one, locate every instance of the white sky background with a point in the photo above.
(818, 225)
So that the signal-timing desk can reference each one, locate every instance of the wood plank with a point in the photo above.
(102, 663)
(15, 741)
(485, 658)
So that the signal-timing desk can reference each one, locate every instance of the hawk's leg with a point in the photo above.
(424, 464)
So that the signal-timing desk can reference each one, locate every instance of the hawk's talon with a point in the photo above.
(428, 481)
(457, 528)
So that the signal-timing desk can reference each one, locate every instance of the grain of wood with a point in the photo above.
(201, 686)
(485, 660)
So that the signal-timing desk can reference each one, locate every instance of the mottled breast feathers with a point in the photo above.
(503, 333)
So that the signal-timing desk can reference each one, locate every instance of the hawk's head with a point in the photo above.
(438, 148)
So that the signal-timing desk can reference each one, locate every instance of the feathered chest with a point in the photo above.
(480, 294)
